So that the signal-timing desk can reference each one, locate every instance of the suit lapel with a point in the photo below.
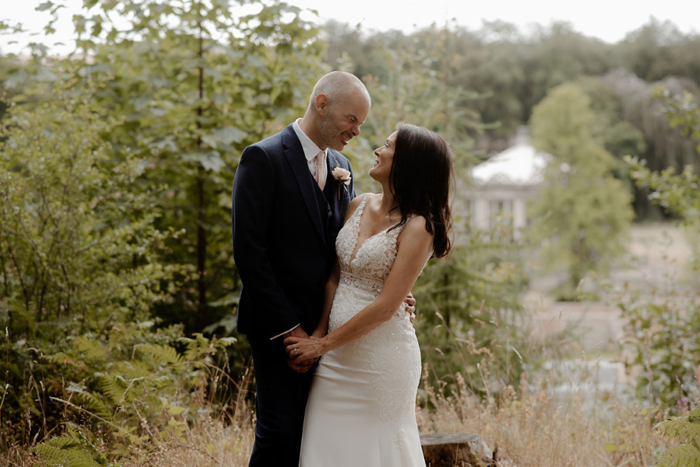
(300, 169)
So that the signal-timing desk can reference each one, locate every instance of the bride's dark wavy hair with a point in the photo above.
(421, 179)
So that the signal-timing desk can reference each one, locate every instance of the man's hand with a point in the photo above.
(299, 332)
(410, 302)
(299, 367)
(304, 349)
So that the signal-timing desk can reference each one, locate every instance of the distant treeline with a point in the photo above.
(500, 73)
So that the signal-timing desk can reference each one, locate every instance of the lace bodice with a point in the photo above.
(372, 262)
(364, 270)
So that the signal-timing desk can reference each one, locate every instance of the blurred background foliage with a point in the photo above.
(116, 166)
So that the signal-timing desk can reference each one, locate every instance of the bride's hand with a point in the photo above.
(303, 348)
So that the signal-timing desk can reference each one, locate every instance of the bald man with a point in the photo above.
(287, 211)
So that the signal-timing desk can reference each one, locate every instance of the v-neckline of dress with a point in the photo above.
(356, 248)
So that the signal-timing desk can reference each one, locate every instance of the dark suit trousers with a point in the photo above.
(280, 402)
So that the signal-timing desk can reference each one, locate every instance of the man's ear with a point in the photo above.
(322, 103)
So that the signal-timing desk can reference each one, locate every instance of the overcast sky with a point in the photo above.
(608, 20)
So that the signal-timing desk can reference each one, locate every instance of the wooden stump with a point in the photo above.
(466, 449)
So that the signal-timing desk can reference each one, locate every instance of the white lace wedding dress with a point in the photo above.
(361, 409)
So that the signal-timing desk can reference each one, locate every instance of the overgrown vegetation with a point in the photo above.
(125, 393)
(663, 333)
(115, 255)
(78, 250)
(471, 322)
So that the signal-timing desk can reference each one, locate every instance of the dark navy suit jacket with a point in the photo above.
(284, 231)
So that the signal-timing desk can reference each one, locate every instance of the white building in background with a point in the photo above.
(501, 186)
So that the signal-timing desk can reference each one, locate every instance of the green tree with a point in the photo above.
(508, 70)
(582, 213)
(662, 146)
(78, 248)
(658, 50)
(193, 83)
(663, 335)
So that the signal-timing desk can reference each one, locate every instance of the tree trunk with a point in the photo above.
(467, 449)
(203, 307)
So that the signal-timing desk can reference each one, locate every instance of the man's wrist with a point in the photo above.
(296, 332)
(286, 333)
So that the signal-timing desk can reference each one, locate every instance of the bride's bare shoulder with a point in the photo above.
(415, 232)
(417, 224)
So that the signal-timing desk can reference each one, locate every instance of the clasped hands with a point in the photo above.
(304, 350)
(295, 360)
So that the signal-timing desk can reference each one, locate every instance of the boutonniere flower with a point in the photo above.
(342, 176)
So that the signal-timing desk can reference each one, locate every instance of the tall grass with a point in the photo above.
(531, 426)
(535, 428)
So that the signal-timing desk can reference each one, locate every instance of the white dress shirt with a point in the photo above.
(310, 150)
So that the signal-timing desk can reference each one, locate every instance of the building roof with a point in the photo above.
(519, 165)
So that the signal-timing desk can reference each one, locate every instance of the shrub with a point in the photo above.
(78, 251)
(130, 388)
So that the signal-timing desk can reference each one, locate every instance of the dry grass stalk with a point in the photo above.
(537, 430)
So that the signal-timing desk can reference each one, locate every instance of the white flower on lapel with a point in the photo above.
(342, 176)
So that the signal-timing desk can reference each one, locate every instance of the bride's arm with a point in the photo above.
(331, 286)
(413, 250)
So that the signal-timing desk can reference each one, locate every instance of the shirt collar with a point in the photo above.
(309, 147)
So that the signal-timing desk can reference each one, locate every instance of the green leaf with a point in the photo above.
(210, 160)
(164, 354)
(141, 102)
(228, 323)
(230, 299)
(229, 135)
(44, 6)
(610, 447)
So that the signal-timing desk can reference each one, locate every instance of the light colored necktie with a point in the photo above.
(320, 172)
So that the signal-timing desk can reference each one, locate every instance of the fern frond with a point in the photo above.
(65, 451)
(681, 456)
(139, 369)
(225, 341)
(163, 354)
(684, 429)
(94, 404)
(111, 388)
(64, 359)
(196, 347)
(200, 346)
(165, 381)
(91, 348)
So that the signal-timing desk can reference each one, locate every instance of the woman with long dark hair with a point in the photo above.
(361, 409)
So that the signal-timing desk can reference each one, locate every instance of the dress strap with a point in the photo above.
(396, 230)
(358, 212)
